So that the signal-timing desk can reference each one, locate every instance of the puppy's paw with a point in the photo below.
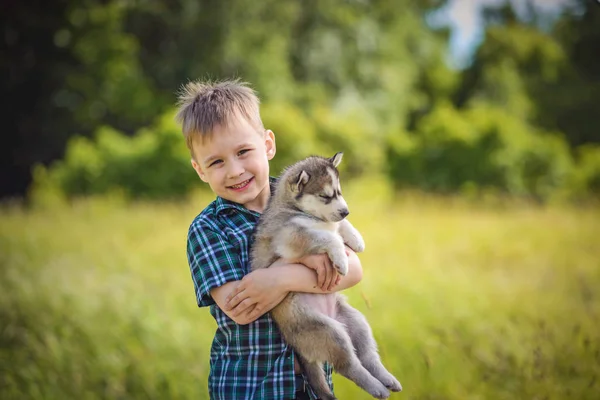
(355, 241)
(378, 391)
(392, 383)
(339, 260)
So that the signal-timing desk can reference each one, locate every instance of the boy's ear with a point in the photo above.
(270, 144)
(337, 159)
(300, 182)
(198, 170)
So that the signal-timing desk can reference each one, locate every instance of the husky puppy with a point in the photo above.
(306, 215)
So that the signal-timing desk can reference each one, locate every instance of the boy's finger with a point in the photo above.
(242, 307)
(236, 299)
(249, 311)
(234, 292)
(253, 312)
(256, 311)
(334, 281)
(328, 276)
(330, 284)
(334, 277)
(320, 276)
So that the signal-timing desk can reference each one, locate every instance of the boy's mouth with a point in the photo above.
(241, 185)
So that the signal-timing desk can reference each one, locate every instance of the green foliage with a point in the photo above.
(586, 179)
(542, 71)
(571, 102)
(482, 148)
(152, 164)
(110, 86)
(351, 133)
(295, 134)
(368, 79)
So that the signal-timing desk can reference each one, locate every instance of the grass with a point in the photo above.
(467, 300)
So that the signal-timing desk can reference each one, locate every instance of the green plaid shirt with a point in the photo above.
(246, 361)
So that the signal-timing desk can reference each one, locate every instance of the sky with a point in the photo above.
(467, 28)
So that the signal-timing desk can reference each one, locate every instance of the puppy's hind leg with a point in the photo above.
(362, 339)
(325, 339)
(313, 371)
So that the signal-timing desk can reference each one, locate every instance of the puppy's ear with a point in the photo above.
(298, 185)
(337, 159)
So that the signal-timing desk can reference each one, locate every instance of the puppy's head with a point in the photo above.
(315, 185)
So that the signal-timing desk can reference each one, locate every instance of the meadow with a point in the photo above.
(467, 299)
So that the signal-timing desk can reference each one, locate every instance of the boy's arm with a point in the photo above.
(215, 265)
(261, 290)
(321, 276)
(272, 295)
(217, 272)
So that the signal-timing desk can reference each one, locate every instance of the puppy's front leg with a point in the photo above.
(351, 236)
(295, 241)
(332, 244)
(337, 254)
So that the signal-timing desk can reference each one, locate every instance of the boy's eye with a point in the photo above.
(214, 163)
(242, 152)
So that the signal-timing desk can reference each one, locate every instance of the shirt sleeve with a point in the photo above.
(213, 262)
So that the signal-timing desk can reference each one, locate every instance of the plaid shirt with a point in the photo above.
(246, 361)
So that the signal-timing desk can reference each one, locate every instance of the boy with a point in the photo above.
(230, 151)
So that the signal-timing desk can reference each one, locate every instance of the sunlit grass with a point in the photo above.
(466, 300)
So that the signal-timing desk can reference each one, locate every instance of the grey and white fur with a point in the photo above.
(306, 215)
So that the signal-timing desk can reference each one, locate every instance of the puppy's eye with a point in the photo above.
(325, 197)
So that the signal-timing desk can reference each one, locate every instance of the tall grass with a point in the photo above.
(466, 300)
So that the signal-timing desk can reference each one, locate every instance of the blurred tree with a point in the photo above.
(549, 77)
(356, 70)
(178, 40)
(349, 75)
(572, 103)
(67, 68)
(512, 64)
(33, 69)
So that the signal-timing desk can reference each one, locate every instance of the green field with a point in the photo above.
(467, 301)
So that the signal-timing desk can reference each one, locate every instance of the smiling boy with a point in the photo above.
(230, 151)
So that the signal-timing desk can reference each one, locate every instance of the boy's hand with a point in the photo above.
(257, 293)
(327, 276)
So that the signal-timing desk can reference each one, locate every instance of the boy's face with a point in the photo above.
(234, 161)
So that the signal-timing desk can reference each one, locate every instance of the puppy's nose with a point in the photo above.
(344, 213)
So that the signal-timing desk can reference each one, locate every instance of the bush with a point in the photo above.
(154, 163)
(481, 148)
(586, 177)
(321, 132)
(295, 135)
(351, 133)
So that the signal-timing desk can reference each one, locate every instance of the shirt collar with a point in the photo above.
(227, 206)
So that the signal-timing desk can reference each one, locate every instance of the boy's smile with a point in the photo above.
(234, 161)
(241, 186)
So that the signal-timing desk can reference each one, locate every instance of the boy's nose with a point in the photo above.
(235, 170)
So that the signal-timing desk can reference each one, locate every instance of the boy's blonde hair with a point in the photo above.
(202, 106)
